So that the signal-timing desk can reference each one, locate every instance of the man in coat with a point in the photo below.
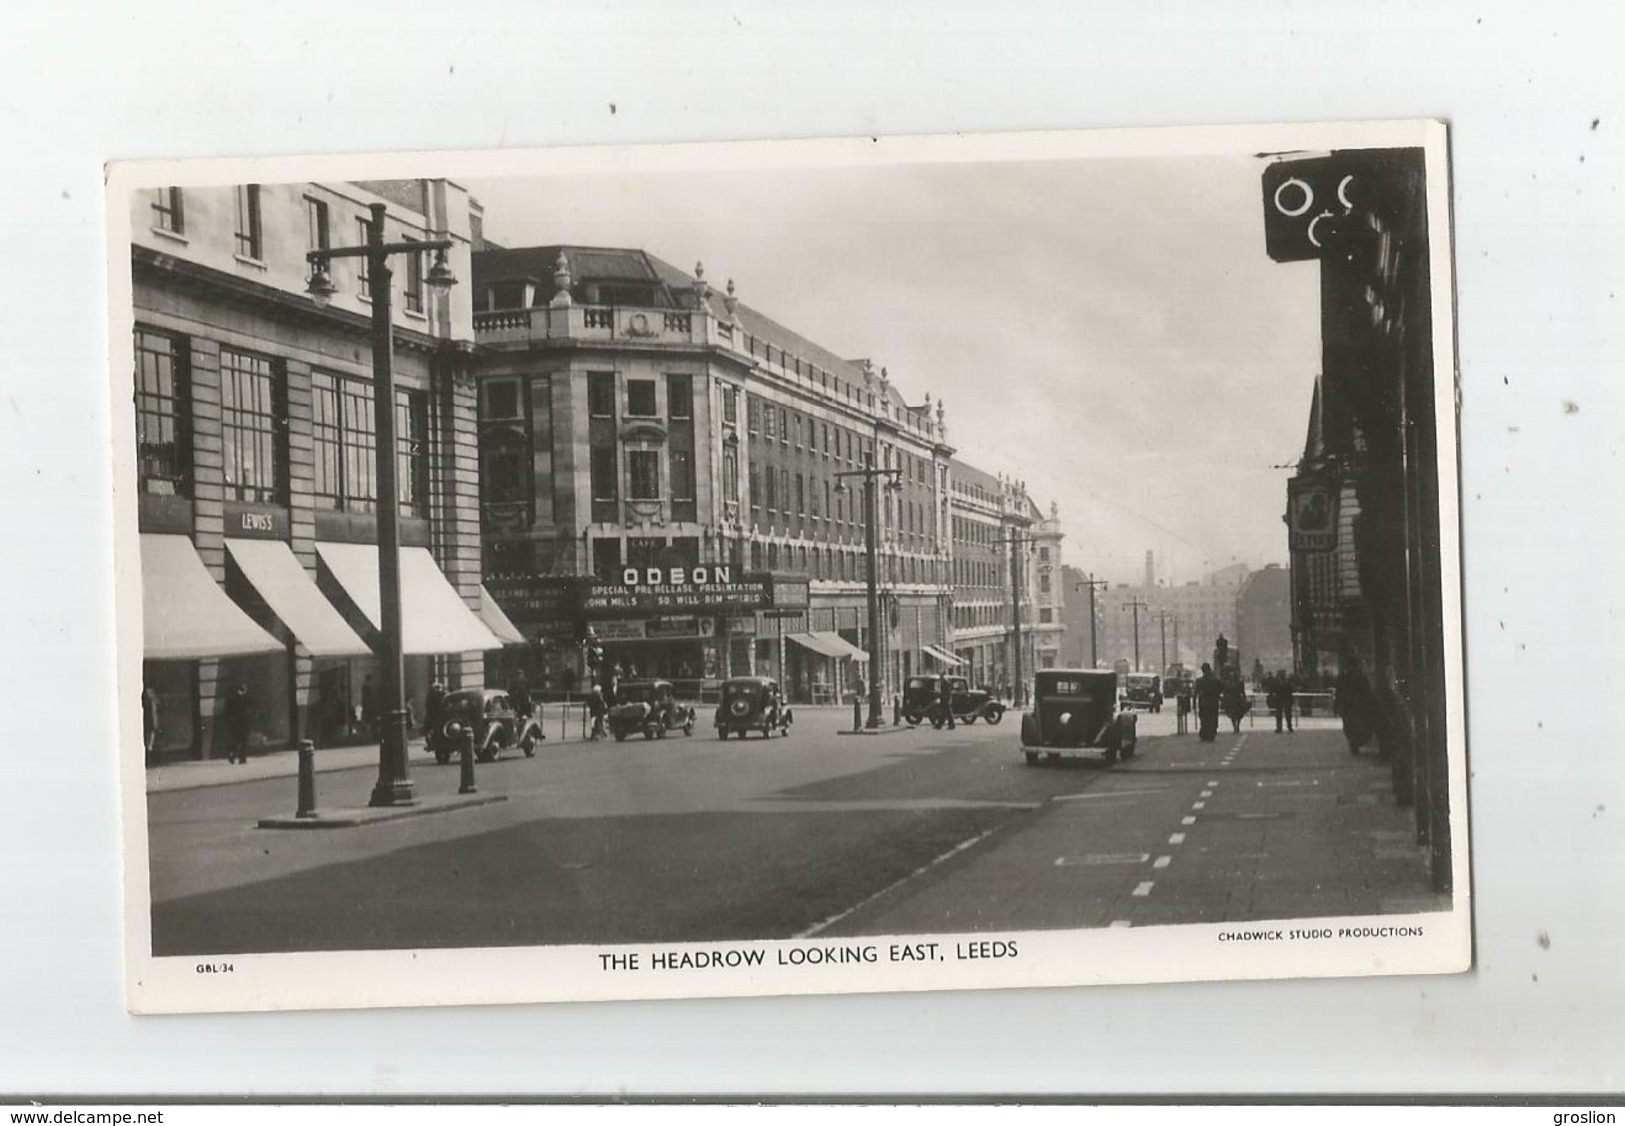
(1208, 690)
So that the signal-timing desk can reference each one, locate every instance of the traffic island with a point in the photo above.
(351, 818)
(885, 729)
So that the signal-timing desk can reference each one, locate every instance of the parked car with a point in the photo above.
(1075, 710)
(922, 696)
(489, 714)
(1143, 690)
(752, 703)
(649, 706)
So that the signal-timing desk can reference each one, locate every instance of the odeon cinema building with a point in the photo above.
(662, 467)
(256, 465)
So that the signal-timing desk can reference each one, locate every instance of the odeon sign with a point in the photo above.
(698, 575)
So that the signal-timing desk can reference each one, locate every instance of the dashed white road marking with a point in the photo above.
(1198, 805)
(1143, 888)
(1109, 794)
(1213, 782)
(1098, 859)
(1177, 838)
(1162, 862)
(1206, 793)
(1187, 820)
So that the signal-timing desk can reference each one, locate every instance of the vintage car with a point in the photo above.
(922, 697)
(752, 703)
(1075, 710)
(649, 706)
(489, 714)
(1143, 690)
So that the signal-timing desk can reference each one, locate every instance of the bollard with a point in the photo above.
(307, 779)
(857, 714)
(467, 786)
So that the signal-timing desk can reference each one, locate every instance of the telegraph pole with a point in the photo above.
(1136, 605)
(893, 478)
(1163, 618)
(1091, 583)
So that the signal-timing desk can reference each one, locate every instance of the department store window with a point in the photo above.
(163, 415)
(253, 423)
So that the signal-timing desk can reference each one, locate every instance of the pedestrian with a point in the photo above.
(369, 707)
(149, 720)
(1207, 692)
(234, 723)
(433, 704)
(1236, 704)
(598, 708)
(519, 696)
(1288, 686)
(1182, 705)
(859, 687)
(1356, 703)
(945, 700)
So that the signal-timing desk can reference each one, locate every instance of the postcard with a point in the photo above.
(851, 565)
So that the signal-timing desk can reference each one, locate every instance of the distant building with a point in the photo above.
(1196, 613)
(1046, 589)
(1264, 618)
(1076, 641)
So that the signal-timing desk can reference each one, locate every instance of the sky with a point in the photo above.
(1108, 330)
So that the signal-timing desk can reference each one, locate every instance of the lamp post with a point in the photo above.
(394, 786)
(871, 474)
(1016, 541)
(1091, 583)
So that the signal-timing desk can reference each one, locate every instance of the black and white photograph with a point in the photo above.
(865, 565)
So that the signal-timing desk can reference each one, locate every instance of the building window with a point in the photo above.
(680, 396)
(682, 485)
(755, 487)
(730, 475)
(504, 467)
(767, 422)
(499, 399)
(801, 494)
(318, 234)
(753, 415)
(604, 484)
(1043, 555)
(1043, 584)
(363, 280)
(162, 415)
(772, 489)
(640, 398)
(253, 422)
(413, 293)
(412, 451)
(606, 559)
(784, 426)
(644, 551)
(167, 211)
(345, 442)
(730, 406)
(644, 475)
(249, 242)
(601, 394)
(1046, 616)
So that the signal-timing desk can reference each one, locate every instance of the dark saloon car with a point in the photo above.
(649, 706)
(1143, 690)
(1075, 710)
(752, 703)
(489, 714)
(922, 698)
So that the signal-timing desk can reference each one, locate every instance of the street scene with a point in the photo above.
(1076, 563)
(814, 835)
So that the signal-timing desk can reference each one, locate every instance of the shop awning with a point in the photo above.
(839, 645)
(498, 622)
(185, 614)
(944, 656)
(272, 570)
(817, 642)
(434, 618)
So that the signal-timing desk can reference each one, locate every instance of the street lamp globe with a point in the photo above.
(320, 285)
(440, 275)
